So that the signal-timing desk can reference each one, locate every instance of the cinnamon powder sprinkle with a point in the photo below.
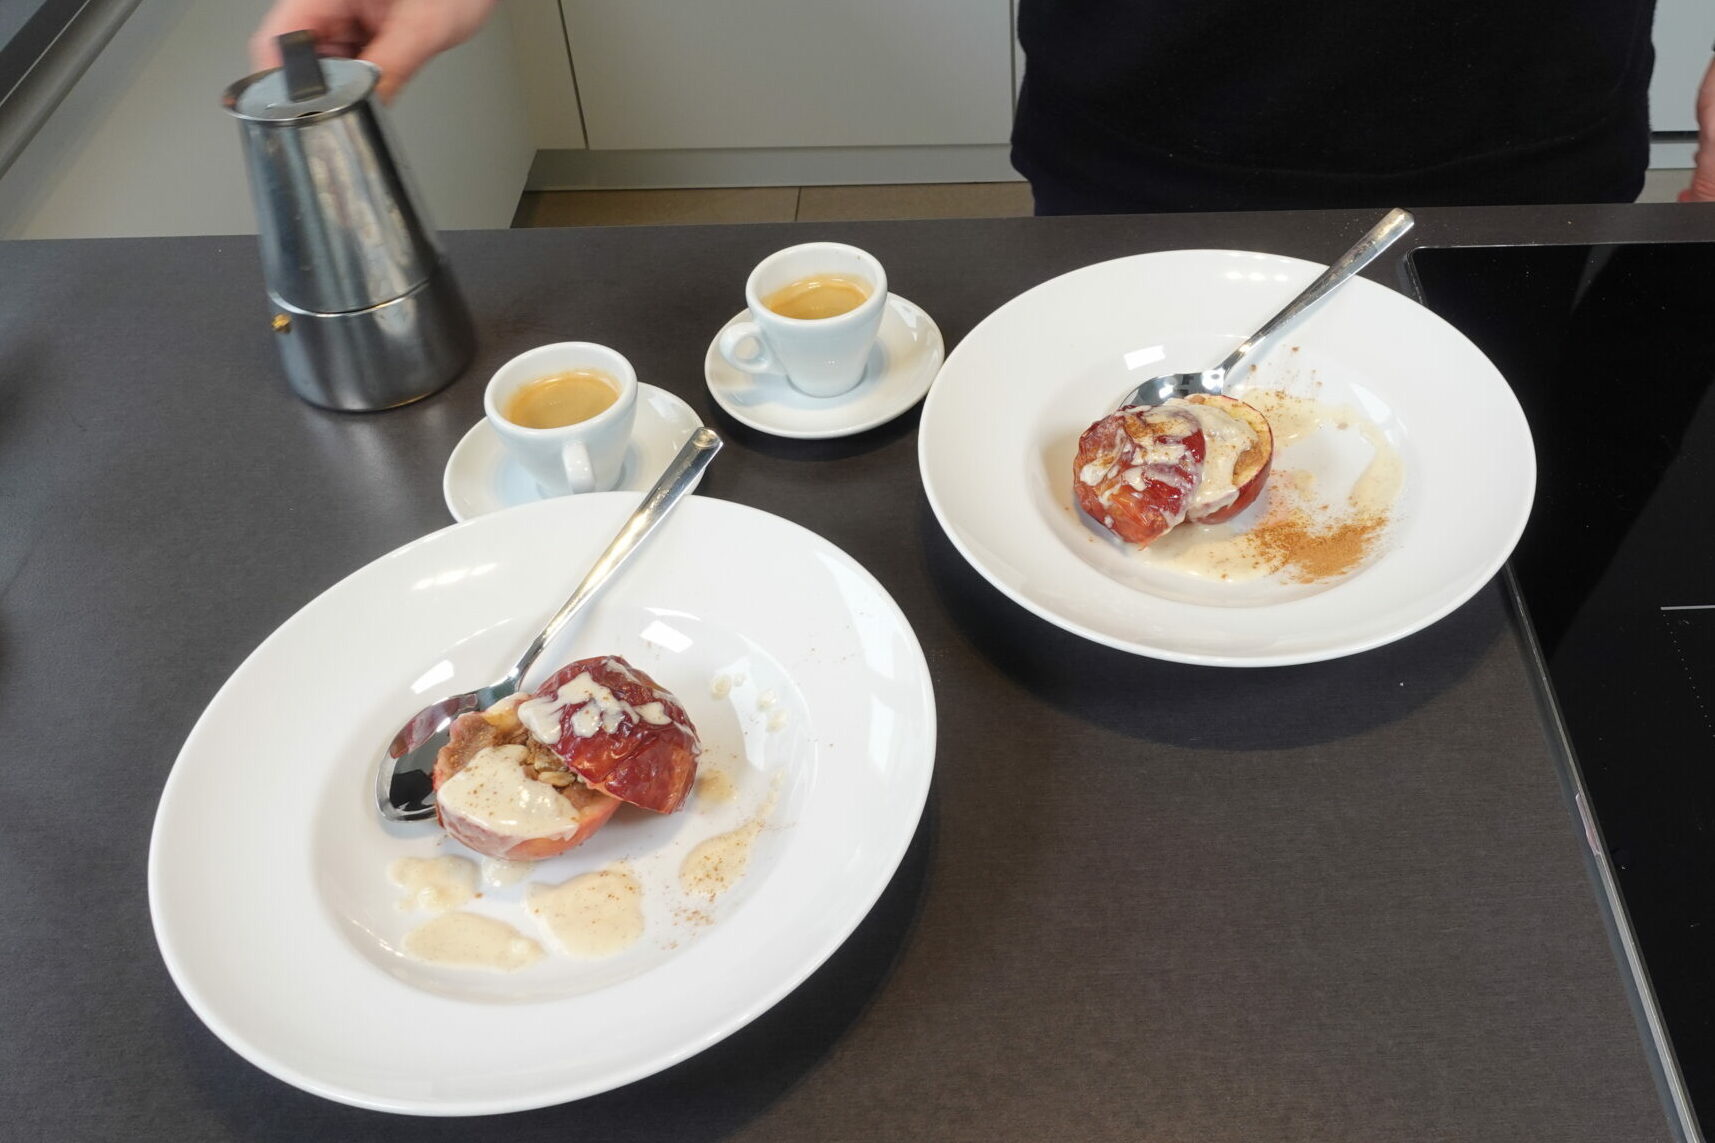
(1306, 550)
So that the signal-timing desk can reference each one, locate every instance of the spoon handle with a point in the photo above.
(681, 473)
(1395, 223)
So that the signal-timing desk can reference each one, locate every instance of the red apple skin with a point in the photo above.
(1124, 442)
(1251, 471)
(647, 764)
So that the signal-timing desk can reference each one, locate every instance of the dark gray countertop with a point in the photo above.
(1340, 901)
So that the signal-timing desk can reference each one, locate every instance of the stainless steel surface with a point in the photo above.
(375, 320)
(304, 77)
(339, 228)
(1663, 1061)
(403, 791)
(1158, 389)
(379, 357)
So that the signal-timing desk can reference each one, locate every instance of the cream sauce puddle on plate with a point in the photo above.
(1297, 532)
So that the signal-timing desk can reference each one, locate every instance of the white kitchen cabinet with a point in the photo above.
(140, 145)
(545, 73)
(667, 75)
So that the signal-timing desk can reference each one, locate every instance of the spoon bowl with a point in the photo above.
(404, 786)
(1383, 234)
(1159, 390)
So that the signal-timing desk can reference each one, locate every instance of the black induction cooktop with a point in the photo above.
(1610, 351)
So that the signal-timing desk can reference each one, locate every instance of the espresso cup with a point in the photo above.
(819, 356)
(585, 456)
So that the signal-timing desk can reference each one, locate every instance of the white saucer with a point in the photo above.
(906, 357)
(482, 477)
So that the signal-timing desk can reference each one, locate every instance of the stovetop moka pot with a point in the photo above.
(366, 312)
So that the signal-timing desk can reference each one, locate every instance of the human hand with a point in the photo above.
(1702, 188)
(397, 36)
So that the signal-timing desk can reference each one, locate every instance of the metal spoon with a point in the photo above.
(1158, 389)
(403, 789)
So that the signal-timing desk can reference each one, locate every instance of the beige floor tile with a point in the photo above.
(652, 207)
(922, 200)
(1664, 184)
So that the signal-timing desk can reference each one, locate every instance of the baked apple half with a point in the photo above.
(1136, 469)
(618, 730)
(536, 774)
(1145, 469)
(506, 795)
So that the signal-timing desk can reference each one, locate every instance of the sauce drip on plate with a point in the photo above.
(434, 884)
(593, 916)
(1304, 534)
(715, 787)
(470, 940)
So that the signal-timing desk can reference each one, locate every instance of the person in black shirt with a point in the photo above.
(1149, 105)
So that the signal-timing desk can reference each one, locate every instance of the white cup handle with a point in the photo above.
(762, 361)
(580, 470)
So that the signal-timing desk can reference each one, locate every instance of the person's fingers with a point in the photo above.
(1702, 188)
(330, 20)
(399, 49)
(414, 32)
(397, 36)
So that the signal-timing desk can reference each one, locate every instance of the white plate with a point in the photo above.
(267, 867)
(903, 364)
(999, 432)
(481, 476)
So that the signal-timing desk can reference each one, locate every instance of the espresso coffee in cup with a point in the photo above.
(814, 312)
(819, 296)
(561, 399)
(565, 413)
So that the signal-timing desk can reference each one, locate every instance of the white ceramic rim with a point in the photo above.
(873, 270)
(891, 832)
(559, 357)
(1112, 292)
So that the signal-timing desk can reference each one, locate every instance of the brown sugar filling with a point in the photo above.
(502, 727)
